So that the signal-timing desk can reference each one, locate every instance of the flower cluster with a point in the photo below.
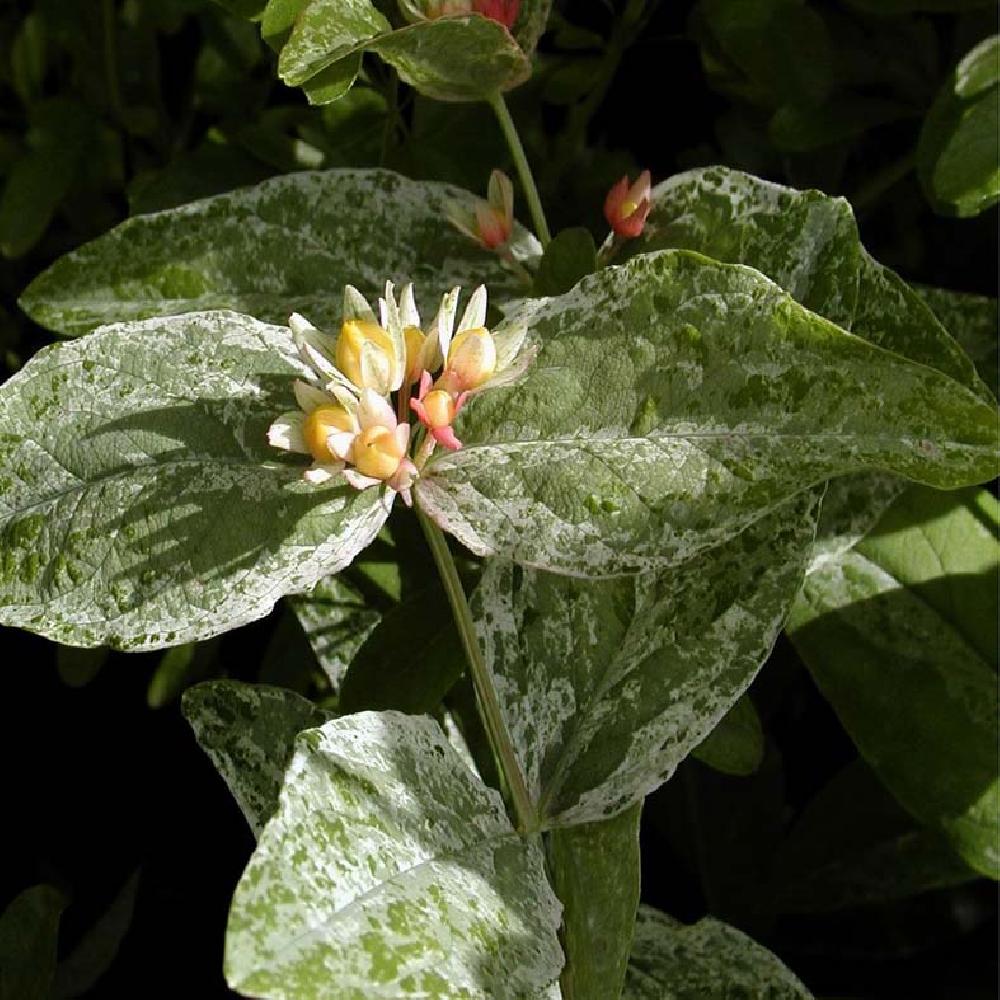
(346, 421)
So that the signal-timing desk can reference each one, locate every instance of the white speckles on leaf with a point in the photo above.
(391, 871)
(142, 505)
(607, 685)
(674, 961)
(289, 244)
(676, 400)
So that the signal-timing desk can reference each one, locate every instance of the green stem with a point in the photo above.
(499, 106)
(489, 706)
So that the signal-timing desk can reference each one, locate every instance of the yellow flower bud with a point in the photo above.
(414, 338)
(439, 408)
(365, 355)
(320, 424)
(472, 359)
(377, 452)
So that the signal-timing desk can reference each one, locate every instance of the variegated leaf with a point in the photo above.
(607, 685)
(674, 961)
(808, 243)
(248, 732)
(676, 400)
(390, 870)
(287, 245)
(140, 503)
(449, 58)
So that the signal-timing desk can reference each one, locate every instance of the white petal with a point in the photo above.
(375, 367)
(475, 312)
(512, 373)
(408, 307)
(309, 397)
(311, 353)
(442, 328)
(507, 342)
(345, 392)
(393, 325)
(286, 432)
(402, 437)
(317, 474)
(356, 305)
(298, 324)
(340, 443)
(359, 481)
(375, 411)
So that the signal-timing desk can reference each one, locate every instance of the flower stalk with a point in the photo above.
(486, 696)
(499, 106)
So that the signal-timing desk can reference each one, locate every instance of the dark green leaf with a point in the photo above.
(736, 744)
(855, 845)
(28, 931)
(912, 610)
(409, 660)
(568, 258)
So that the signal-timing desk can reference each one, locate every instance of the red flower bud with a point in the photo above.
(502, 11)
(626, 207)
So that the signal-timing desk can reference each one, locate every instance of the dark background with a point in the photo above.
(99, 785)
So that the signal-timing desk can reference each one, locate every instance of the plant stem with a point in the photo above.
(489, 706)
(499, 106)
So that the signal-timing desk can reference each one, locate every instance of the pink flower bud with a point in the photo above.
(626, 207)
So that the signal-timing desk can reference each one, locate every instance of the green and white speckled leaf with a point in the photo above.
(336, 621)
(325, 31)
(455, 58)
(287, 245)
(595, 873)
(972, 320)
(606, 685)
(808, 243)
(140, 503)
(913, 608)
(390, 870)
(465, 58)
(674, 961)
(248, 732)
(674, 401)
